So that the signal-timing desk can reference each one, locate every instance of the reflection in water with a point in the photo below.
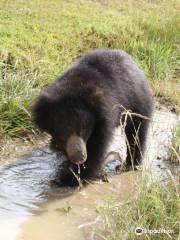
(26, 183)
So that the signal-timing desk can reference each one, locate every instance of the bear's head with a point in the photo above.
(68, 121)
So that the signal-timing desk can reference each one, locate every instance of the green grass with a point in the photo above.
(155, 208)
(39, 39)
(175, 146)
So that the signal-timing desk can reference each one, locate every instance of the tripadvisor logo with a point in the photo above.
(139, 231)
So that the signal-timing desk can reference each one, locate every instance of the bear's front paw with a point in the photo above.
(70, 181)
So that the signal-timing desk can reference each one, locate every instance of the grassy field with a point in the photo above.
(40, 38)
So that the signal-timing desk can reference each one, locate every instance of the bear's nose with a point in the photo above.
(76, 149)
(78, 158)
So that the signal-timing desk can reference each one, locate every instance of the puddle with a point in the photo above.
(73, 216)
(158, 143)
(34, 210)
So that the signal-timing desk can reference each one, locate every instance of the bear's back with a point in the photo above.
(108, 66)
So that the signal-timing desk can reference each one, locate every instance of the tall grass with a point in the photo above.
(43, 37)
(16, 91)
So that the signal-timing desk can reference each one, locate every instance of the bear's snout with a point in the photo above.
(76, 149)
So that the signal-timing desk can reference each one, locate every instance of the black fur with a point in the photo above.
(90, 98)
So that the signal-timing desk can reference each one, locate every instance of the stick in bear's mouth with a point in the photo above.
(76, 149)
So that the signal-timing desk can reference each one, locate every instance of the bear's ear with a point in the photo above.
(42, 113)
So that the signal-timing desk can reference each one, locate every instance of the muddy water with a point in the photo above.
(32, 209)
(75, 216)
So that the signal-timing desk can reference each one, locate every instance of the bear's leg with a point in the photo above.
(68, 175)
(136, 131)
(96, 149)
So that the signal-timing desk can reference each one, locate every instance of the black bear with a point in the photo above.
(81, 109)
